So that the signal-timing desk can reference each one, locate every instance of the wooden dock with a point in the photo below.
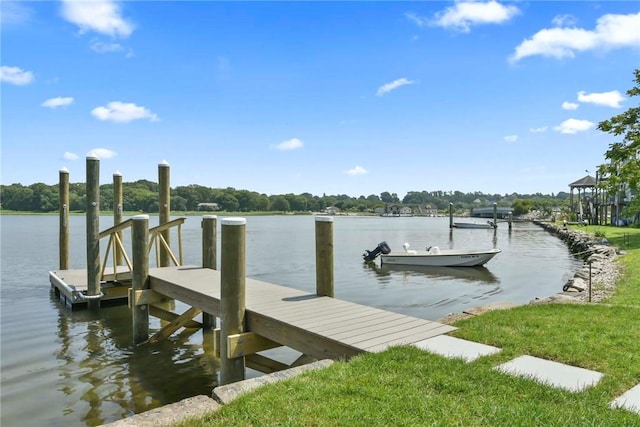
(318, 326)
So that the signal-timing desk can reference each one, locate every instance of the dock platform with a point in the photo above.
(318, 326)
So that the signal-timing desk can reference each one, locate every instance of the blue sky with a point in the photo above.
(350, 98)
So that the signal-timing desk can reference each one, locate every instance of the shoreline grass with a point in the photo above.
(407, 386)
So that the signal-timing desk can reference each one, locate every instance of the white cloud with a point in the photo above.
(57, 102)
(291, 144)
(388, 87)
(70, 156)
(465, 14)
(564, 20)
(358, 170)
(607, 99)
(101, 16)
(570, 105)
(418, 20)
(15, 75)
(511, 138)
(611, 32)
(100, 47)
(14, 12)
(122, 112)
(102, 153)
(572, 126)
(538, 130)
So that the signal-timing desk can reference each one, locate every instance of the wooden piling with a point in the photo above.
(63, 209)
(140, 277)
(93, 231)
(232, 295)
(164, 209)
(117, 213)
(450, 215)
(324, 256)
(510, 220)
(495, 216)
(209, 256)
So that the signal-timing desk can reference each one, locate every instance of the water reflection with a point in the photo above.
(471, 274)
(105, 377)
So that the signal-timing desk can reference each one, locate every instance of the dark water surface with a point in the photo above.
(63, 368)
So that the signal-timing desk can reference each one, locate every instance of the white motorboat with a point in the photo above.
(432, 256)
(489, 224)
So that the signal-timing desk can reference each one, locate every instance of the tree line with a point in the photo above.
(142, 196)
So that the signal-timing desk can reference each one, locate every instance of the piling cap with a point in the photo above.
(139, 217)
(236, 220)
(209, 216)
(117, 173)
(64, 170)
(163, 164)
(324, 218)
(92, 156)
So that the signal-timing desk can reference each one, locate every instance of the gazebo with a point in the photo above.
(586, 205)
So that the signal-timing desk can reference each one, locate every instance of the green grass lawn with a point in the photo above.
(405, 386)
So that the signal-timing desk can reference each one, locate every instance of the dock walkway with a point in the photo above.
(318, 326)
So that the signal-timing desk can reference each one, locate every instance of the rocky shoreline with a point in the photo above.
(599, 264)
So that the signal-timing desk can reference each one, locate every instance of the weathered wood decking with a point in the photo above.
(321, 327)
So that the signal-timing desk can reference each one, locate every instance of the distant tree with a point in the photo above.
(280, 203)
(624, 156)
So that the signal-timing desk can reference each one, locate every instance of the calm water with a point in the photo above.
(62, 368)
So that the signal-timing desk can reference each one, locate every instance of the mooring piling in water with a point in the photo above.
(324, 256)
(164, 208)
(63, 209)
(117, 212)
(209, 256)
(232, 295)
(450, 215)
(93, 232)
(139, 277)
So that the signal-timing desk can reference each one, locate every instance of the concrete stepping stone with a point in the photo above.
(551, 373)
(630, 400)
(452, 347)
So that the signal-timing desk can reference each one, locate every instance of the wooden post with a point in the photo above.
(209, 257)
(140, 277)
(495, 215)
(93, 231)
(232, 295)
(324, 256)
(450, 215)
(164, 209)
(117, 213)
(510, 220)
(63, 209)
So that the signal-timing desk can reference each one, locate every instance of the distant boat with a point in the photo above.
(489, 224)
(433, 256)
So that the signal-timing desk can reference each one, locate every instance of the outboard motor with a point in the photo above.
(369, 256)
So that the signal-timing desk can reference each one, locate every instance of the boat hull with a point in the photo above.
(473, 225)
(446, 258)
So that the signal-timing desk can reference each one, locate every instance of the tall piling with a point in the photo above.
(209, 256)
(164, 212)
(450, 215)
(324, 256)
(495, 216)
(63, 209)
(117, 213)
(93, 231)
(140, 277)
(232, 295)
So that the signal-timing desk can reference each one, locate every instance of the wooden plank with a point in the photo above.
(299, 339)
(146, 296)
(380, 329)
(406, 337)
(239, 345)
(358, 323)
(174, 325)
(170, 316)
